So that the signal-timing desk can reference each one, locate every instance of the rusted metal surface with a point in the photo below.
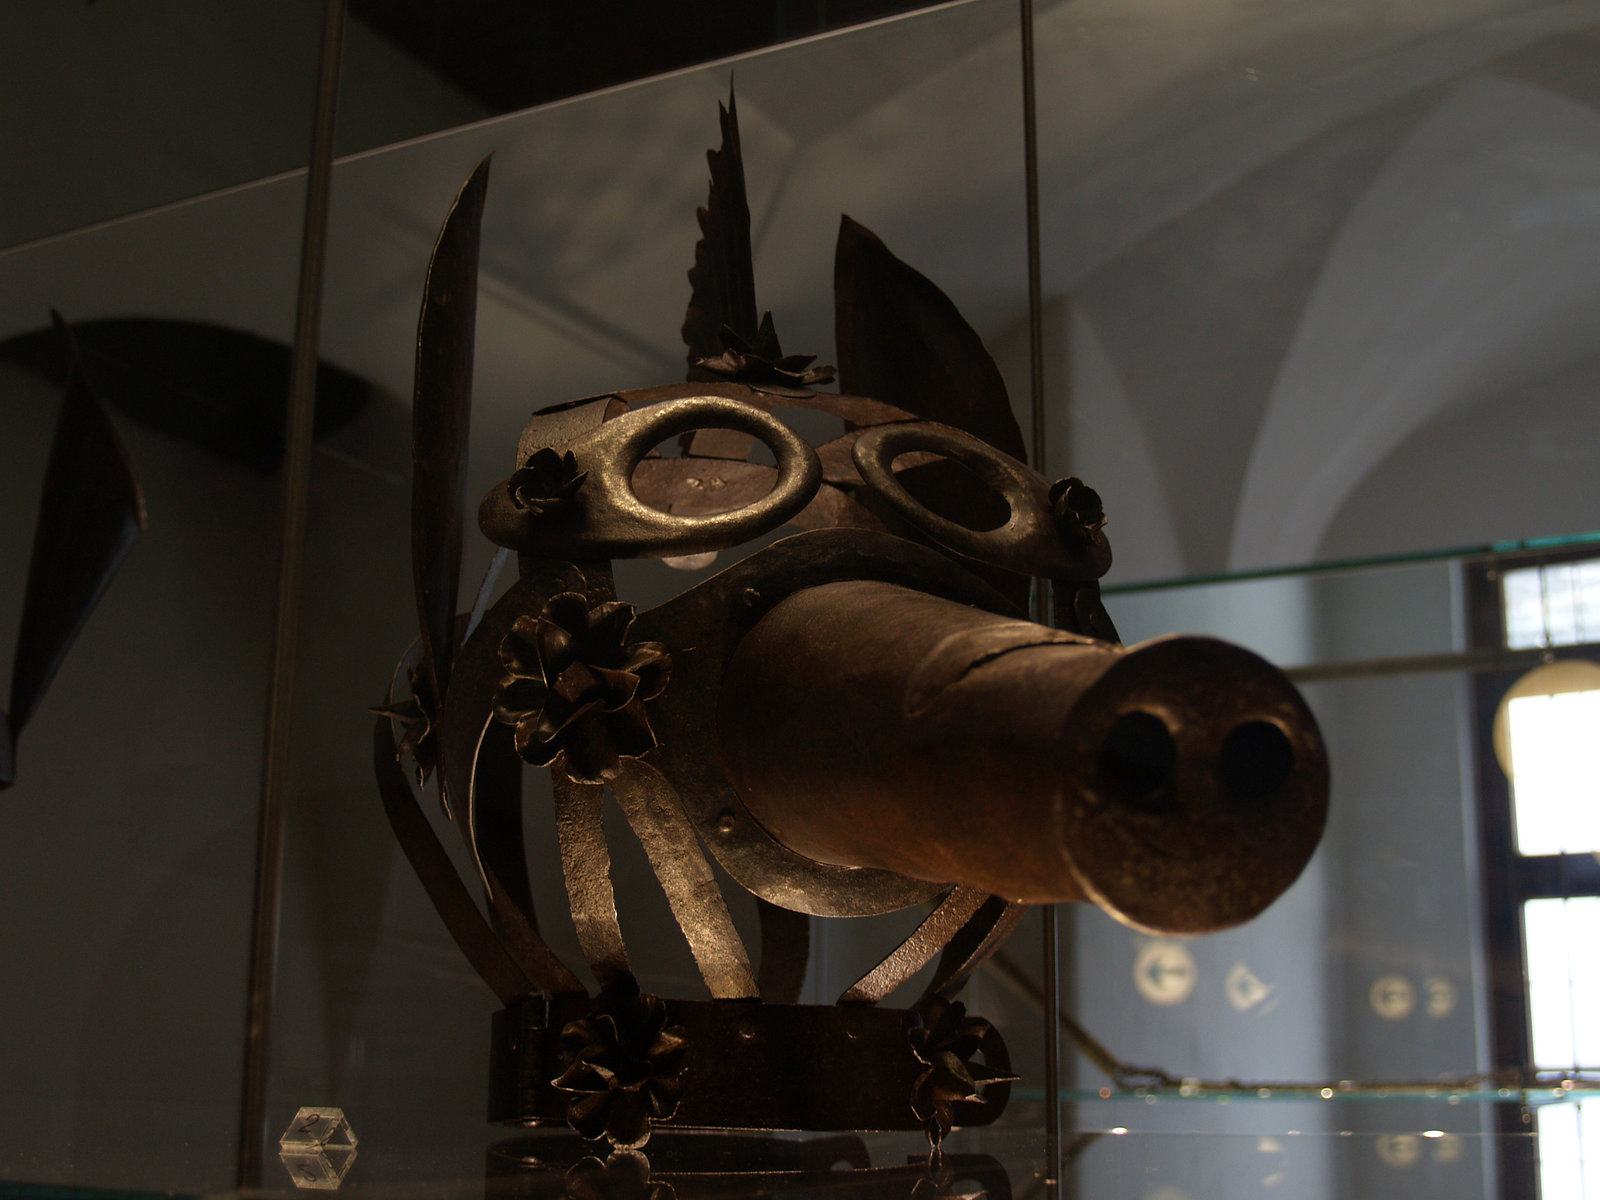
(586, 866)
(974, 943)
(747, 1066)
(722, 280)
(948, 917)
(656, 814)
(703, 628)
(901, 341)
(1181, 784)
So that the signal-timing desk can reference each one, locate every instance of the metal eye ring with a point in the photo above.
(609, 520)
(1029, 542)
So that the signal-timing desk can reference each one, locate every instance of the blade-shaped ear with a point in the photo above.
(90, 513)
(441, 412)
(723, 276)
(901, 340)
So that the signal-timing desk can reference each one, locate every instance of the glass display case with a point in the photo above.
(1320, 323)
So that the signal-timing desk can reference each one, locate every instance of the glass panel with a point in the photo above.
(1556, 758)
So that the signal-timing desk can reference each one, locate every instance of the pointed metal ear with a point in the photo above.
(441, 412)
(90, 513)
(723, 276)
(901, 340)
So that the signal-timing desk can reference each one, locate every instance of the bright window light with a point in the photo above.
(1557, 605)
(1563, 941)
(1554, 751)
(1569, 1150)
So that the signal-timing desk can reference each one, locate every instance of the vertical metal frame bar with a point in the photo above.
(302, 412)
(1051, 949)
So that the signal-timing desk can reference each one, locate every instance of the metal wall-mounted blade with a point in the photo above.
(90, 513)
(441, 412)
(209, 386)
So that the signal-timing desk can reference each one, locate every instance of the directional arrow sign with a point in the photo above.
(1164, 972)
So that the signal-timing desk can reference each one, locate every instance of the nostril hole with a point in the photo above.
(1138, 753)
(1257, 759)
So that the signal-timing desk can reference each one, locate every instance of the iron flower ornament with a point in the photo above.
(574, 685)
(747, 364)
(416, 715)
(948, 1043)
(546, 481)
(626, 1067)
(1078, 510)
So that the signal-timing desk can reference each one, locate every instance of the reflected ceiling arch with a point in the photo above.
(1514, 465)
(1472, 265)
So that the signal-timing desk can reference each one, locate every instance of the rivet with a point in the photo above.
(750, 597)
(726, 821)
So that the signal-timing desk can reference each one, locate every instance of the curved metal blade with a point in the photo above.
(785, 947)
(902, 341)
(931, 936)
(441, 411)
(654, 811)
(586, 864)
(973, 945)
(428, 859)
(90, 514)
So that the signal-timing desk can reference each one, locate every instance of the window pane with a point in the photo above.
(1552, 606)
(1563, 940)
(1555, 756)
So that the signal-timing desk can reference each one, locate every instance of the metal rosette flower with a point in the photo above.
(545, 481)
(625, 1070)
(950, 1045)
(416, 714)
(575, 686)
